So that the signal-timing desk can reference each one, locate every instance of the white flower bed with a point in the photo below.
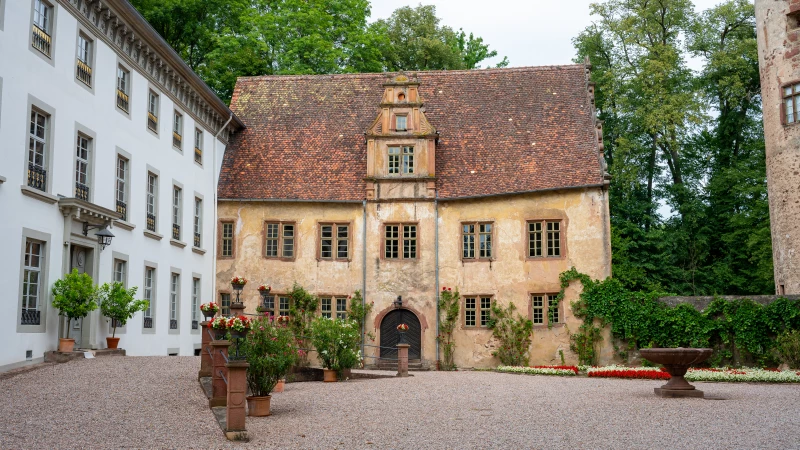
(536, 370)
(590, 369)
(743, 375)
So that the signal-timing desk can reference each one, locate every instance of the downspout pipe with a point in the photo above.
(436, 251)
(216, 188)
(364, 275)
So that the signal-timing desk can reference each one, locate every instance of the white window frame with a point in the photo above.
(150, 293)
(195, 298)
(177, 130)
(198, 146)
(151, 205)
(197, 240)
(174, 301)
(42, 293)
(37, 142)
(83, 165)
(123, 89)
(177, 211)
(121, 177)
(153, 101)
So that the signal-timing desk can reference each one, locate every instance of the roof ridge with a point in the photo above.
(416, 72)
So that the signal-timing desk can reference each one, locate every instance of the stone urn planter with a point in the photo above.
(676, 362)
(66, 345)
(329, 375)
(112, 342)
(258, 406)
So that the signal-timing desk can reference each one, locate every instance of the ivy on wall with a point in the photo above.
(741, 332)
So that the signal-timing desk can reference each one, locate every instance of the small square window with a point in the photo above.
(400, 123)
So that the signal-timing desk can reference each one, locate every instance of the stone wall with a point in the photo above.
(701, 302)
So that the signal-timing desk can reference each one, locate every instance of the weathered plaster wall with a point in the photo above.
(510, 276)
(779, 58)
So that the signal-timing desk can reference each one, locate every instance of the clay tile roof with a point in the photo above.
(501, 131)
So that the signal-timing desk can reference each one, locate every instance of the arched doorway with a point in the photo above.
(390, 335)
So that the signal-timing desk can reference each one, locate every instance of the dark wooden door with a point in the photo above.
(390, 335)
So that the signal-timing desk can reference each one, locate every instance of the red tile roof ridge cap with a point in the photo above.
(387, 74)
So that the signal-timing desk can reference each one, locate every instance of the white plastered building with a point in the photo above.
(102, 125)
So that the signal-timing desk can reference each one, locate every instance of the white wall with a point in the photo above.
(24, 73)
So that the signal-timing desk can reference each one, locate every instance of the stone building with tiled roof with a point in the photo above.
(489, 181)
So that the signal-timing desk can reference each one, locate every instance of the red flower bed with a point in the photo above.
(572, 368)
(655, 374)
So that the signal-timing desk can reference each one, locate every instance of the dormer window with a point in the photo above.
(400, 123)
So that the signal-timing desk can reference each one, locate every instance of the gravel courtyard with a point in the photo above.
(156, 402)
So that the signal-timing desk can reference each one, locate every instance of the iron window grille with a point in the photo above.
(194, 324)
(176, 232)
(151, 222)
(82, 69)
(197, 240)
(37, 177)
(173, 324)
(122, 209)
(148, 322)
(122, 100)
(31, 317)
(198, 156)
(81, 191)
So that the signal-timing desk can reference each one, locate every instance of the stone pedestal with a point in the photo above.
(236, 396)
(237, 309)
(219, 389)
(676, 393)
(402, 360)
(205, 351)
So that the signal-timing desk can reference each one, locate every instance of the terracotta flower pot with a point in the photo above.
(258, 406)
(330, 375)
(66, 345)
(112, 342)
(279, 387)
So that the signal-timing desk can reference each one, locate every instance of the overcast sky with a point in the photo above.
(529, 32)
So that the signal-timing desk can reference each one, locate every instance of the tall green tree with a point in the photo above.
(682, 140)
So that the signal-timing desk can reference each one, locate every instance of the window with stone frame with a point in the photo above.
(195, 302)
(334, 306)
(82, 159)
(148, 293)
(83, 65)
(197, 222)
(400, 241)
(152, 201)
(121, 271)
(123, 88)
(401, 160)
(198, 146)
(279, 240)
(32, 278)
(401, 122)
(226, 240)
(545, 239)
(545, 309)
(225, 303)
(152, 111)
(38, 161)
(177, 130)
(408, 160)
(42, 27)
(477, 311)
(277, 304)
(177, 212)
(334, 241)
(121, 187)
(476, 240)
(174, 300)
(791, 104)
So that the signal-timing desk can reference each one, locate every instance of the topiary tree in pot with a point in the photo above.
(271, 351)
(119, 305)
(75, 296)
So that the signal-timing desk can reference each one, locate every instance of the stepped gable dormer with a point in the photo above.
(401, 144)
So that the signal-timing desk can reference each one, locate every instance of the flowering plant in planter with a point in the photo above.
(282, 320)
(402, 327)
(337, 342)
(271, 352)
(239, 281)
(209, 309)
(238, 324)
(264, 288)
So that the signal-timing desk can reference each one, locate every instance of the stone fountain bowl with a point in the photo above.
(676, 356)
(676, 362)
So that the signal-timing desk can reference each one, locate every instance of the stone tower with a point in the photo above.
(778, 27)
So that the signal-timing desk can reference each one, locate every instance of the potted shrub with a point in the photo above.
(337, 343)
(75, 297)
(118, 304)
(270, 351)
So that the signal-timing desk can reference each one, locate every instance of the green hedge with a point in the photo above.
(741, 332)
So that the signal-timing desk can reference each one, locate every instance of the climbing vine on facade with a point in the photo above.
(448, 318)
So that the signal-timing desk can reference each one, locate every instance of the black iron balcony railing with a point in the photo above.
(122, 100)
(198, 156)
(173, 324)
(152, 122)
(37, 177)
(122, 208)
(197, 240)
(41, 40)
(176, 139)
(31, 317)
(148, 322)
(81, 191)
(176, 232)
(151, 222)
(84, 73)
(194, 324)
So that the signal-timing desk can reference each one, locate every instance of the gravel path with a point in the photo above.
(156, 402)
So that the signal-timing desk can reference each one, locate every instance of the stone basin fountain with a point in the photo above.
(676, 362)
